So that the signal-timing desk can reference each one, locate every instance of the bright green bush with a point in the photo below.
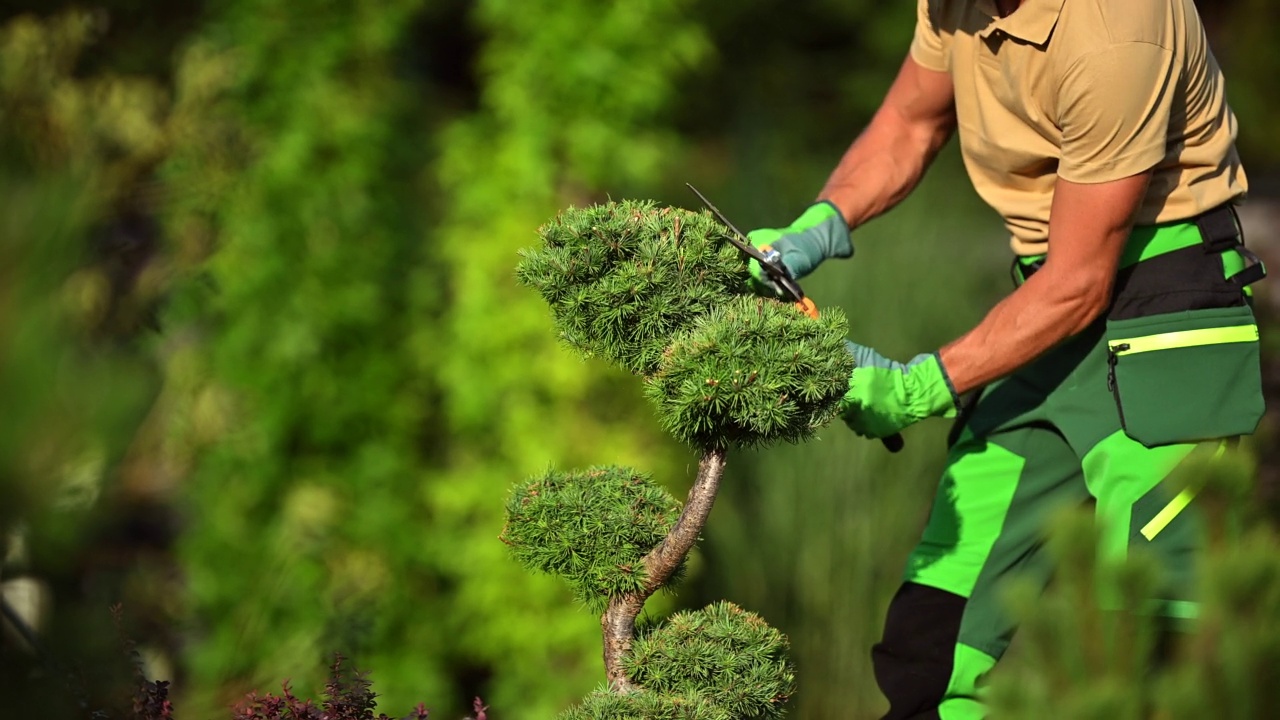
(357, 374)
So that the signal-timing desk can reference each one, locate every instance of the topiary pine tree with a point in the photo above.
(658, 291)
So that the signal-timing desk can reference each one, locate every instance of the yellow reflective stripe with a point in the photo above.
(1179, 503)
(1166, 516)
(1185, 338)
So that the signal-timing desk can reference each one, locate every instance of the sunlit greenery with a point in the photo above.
(268, 376)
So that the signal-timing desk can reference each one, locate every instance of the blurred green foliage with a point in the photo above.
(1124, 661)
(1242, 35)
(76, 379)
(370, 380)
(328, 197)
(293, 360)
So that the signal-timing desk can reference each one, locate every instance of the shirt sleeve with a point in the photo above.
(928, 48)
(1114, 110)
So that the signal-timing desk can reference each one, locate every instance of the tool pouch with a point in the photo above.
(1186, 376)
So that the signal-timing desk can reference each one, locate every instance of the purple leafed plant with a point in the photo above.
(347, 696)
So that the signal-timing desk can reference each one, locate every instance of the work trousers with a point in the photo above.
(1101, 420)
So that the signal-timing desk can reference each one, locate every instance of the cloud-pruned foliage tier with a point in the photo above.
(643, 705)
(590, 527)
(721, 654)
(752, 371)
(622, 277)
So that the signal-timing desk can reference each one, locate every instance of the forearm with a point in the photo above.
(882, 166)
(1088, 228)
(1037, 316)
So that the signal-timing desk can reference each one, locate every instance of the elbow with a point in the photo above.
(1075, 299)
(1084, 301)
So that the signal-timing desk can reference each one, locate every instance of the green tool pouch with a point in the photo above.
(1186, 376)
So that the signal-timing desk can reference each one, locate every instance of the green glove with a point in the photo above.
(886, 396)
(818, 234)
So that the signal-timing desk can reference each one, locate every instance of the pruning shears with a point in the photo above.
(771, 261)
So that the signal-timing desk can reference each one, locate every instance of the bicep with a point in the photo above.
(1114, 113)
(1088, 227)
(922, 100)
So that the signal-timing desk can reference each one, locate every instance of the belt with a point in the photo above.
(1217, 229)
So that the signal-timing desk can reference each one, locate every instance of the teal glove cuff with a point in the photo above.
(931, 386)
(885, 396)
(820, 233)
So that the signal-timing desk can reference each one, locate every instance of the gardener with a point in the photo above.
(1100, 132)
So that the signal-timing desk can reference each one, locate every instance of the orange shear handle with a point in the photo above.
(807, 307)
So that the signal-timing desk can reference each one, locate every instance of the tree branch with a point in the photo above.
(618, 623)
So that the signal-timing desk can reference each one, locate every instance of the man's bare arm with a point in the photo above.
(1088, 227)
(888, 159)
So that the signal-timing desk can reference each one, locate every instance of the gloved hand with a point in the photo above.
(886, 396)
(818, 234)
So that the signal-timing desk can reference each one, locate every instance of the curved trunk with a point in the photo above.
(618, 623)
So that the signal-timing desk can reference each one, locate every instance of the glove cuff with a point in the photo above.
(826, 224)
(819, 213)
(932, 392)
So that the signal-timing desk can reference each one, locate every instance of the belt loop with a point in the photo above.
(1222, 231)
(1219, 229)
(1021, 268)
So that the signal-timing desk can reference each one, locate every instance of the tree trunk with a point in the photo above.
(619, 621)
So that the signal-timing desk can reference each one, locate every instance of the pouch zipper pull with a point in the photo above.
(1112, 359)
(1112, 353)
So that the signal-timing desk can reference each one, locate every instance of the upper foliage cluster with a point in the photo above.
(660, 292)
(752, 371)
(623, 277)
(592, 528)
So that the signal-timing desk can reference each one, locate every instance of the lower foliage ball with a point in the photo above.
(722, 655)
(590, 527)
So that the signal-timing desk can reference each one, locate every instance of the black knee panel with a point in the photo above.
(913, 662)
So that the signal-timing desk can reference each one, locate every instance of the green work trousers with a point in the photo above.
(1059, 434)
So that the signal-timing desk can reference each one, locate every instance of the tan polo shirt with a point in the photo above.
(1086, 90)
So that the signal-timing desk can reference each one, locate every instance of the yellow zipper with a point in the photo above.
(1184, 338)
